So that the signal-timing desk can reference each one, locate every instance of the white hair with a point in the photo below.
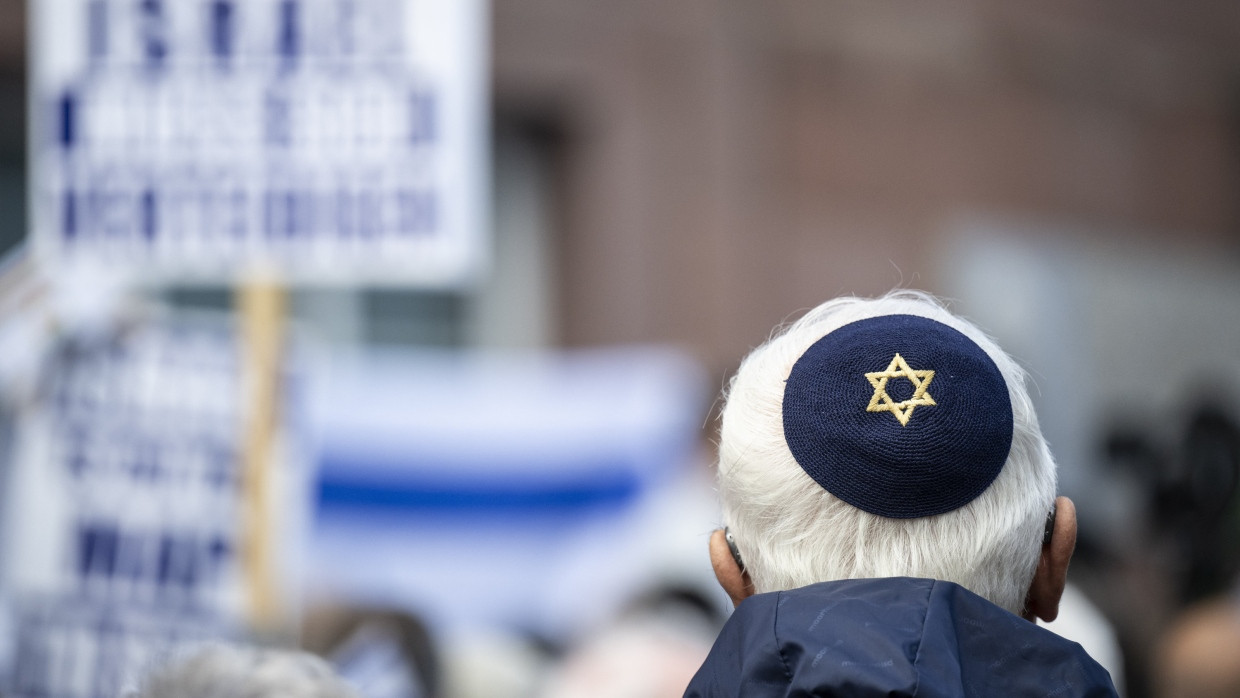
(791, 532)
(226, 671)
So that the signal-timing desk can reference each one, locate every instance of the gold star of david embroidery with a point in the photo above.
(881, 402)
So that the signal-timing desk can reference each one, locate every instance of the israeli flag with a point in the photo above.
(484, 489)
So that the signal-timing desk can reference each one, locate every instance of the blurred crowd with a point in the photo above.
(374, 348)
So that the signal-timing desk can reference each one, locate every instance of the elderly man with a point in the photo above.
(891, 521)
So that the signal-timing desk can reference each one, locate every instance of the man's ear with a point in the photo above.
(732, 578)
(1052, 575)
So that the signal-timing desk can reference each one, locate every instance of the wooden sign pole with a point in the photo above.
(262, 315)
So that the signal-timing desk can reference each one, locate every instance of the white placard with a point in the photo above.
(322, 141)
(124, 530)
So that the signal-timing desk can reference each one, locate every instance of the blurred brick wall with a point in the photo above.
(726, 163)
(12, 123)
(12, 36)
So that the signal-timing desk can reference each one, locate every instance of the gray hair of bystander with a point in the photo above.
(229, 671)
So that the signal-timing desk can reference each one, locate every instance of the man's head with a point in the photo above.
(884, 438)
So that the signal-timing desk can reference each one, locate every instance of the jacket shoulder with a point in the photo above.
(745, 659)
(890, 637)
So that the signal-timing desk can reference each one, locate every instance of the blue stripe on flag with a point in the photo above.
(600, 488)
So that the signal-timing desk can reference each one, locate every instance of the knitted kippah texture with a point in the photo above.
(898, 415)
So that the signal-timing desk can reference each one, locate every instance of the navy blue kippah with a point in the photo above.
(898, 415)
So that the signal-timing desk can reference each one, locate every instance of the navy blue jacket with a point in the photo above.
(890, 637)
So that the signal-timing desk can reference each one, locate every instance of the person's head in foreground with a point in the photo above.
(881, 468)
(226, 671)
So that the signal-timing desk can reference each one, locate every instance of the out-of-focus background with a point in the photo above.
(395, 328)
